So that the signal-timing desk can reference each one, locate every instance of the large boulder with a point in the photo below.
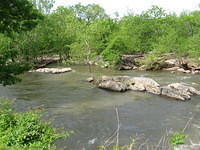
(144, 84)
(112, 85)
(186, 89)
(124, 83)
(174, 93)
(179, 91)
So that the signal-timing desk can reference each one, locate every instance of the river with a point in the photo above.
(71, 102)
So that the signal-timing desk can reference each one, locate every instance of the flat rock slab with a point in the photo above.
(175, 93)
(112, 85)
(123, 83)
(179, 91)
(52, 70)
(144, 84)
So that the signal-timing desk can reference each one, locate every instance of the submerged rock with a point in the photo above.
(52, 70)
(124, 83)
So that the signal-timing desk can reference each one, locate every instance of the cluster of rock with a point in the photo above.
(52, 70)
(124, 83)
(182, 66)
(130, 62)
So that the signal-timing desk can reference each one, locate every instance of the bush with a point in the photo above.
(177, 138)
(25, 131)
(153, 62)
(113, 51)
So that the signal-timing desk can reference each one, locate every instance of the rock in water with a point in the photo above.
(144, 84)
(174, 93)
(112, 85)
(124, 83)
(179, 91)
(52, 70)
(186, 89)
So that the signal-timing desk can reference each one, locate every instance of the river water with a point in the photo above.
(70, 102)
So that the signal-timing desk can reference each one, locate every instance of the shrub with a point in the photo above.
(113, 51)
(153, 62)
(177, 138)
(25, 131)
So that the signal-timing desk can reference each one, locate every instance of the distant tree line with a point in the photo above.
(84, 32)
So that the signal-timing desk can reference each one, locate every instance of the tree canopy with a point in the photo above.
(15, 16)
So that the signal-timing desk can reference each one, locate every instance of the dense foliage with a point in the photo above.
(85, 32)
(25, 131)
(16, 16)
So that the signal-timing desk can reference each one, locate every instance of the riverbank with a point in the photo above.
(165, 62)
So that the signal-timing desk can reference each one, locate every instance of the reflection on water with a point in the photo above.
(77, 105)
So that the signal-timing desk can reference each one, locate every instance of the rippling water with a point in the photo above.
(77, 105)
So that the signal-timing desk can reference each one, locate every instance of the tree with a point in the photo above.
(155, 12)
(89, 12)
(15, 16)
(44, 6)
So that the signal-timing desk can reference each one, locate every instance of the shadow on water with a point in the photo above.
(77, 105)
